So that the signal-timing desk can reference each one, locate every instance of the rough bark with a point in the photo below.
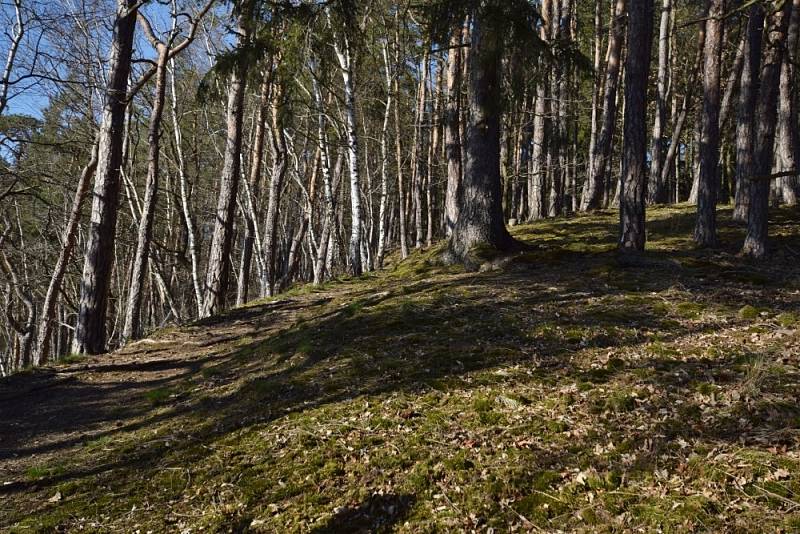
(755, 244)
(745, 120)
(90, 330)
(634, 158)
(705, 231)
(219, 261)
(480, 223)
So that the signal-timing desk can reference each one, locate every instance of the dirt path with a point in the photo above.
(46, 412)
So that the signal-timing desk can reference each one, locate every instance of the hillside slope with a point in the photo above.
(566, 391)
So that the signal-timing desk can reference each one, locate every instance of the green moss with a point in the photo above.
(787, 320)
(748, 313)
(159, 396)
(689, 310)
(71, 359)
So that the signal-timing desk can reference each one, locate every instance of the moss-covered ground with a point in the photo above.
(569, 390)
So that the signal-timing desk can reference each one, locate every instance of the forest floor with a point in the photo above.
(568, 390)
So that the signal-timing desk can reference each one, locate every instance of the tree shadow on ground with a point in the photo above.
(379, 513)
(428, 335)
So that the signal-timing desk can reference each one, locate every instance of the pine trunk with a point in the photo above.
(90, 330)
(755, 244)
(480, 224)
(705, 232)
(634, 152)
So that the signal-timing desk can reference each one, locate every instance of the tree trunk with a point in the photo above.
(254, 185)
(657, 190)
(90, 330)
(219, 261)
(596, 87)
(417, 161)
(279, 168)
(787, 136)
(451, 129)
(387, 113)
(328, 221)
(41, 352)
(705, 232)
(593, 192)
(755, 244)
(184, 191)
(345, 58)
(132, 327)
(433, 147)
(745, 120)
(480, 223)
(634, 162)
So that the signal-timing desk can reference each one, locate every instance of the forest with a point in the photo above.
(399, 265)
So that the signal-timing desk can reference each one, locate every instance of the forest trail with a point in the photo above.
(47, 411)
(567, 390)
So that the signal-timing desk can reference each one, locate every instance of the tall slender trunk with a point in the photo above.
(132, 327)
(787, 140)
(537, 180)
(279, 169)
(593, 191)
(746, 115)
(387, 113)
(401, 194)
(254, 186)
(705, 231)
(558, 107)
(452, 137)
(433, 148)
(417, 161)
(90, 330)
(328, 220)
(598, 82)
(219, 261)
(656, 189)
(41, 351)
(345, 57)
(755, 244)
(184, 191)
(634, 157)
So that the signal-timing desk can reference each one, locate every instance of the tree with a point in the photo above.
(451, 129)
(788, 140)
(634, 172)
(593, 190)
(705, 232)
(755, 244)
(164, 51)
(219, 261)
(345, 54)
(90, 329)
(656, 185)
(745, 120)
(480, 223)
